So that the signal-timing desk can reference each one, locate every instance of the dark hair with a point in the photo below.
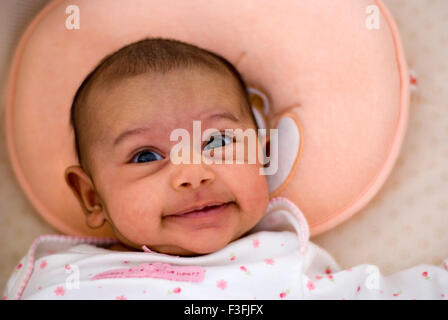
(149, 55)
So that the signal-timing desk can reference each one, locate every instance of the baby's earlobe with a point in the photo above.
(95, 218)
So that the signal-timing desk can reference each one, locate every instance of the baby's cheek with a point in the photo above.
(135, 216)
(260, 193)
(250, 188)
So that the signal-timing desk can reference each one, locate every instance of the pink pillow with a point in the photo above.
(337, 88)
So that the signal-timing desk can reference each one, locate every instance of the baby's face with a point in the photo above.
(143, 194)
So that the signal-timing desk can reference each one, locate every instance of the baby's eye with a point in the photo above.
(218, 140)
(146, 156)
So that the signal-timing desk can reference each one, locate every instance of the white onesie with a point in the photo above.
(275, 260)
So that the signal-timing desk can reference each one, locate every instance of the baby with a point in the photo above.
(185, 230)
(123, 115)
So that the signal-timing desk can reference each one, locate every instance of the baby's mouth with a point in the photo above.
(202, 210)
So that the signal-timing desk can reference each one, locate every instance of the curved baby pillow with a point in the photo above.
(329, 75)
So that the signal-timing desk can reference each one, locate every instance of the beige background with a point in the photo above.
(404, 225)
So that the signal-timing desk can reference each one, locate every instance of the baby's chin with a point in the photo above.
(191, 249)
(209, 242)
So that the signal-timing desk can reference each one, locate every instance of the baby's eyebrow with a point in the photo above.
(129, 133)
(223, 115)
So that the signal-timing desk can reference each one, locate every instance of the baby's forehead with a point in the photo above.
(179, 93)
(165, 98)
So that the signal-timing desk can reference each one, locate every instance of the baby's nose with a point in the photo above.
(192, 176)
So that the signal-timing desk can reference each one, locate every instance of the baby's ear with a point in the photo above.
(84, 190)
(260, 105)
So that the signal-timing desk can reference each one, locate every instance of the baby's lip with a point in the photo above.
(199, 207)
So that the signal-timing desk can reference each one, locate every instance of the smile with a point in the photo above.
(203, 211)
